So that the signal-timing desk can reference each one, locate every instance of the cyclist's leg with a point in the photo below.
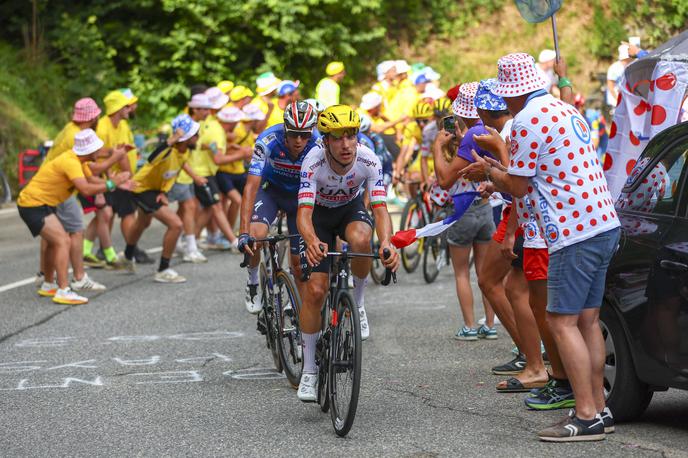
(264, 213)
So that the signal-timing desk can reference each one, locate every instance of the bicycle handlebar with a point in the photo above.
(386, 253)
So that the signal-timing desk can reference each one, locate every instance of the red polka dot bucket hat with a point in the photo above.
(517, 75)
(463, 105)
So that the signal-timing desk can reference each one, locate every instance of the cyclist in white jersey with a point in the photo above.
(333, 177)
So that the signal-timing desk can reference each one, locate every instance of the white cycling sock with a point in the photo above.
(359, 289)
(252, 275)
(309, 340)
(191, 246)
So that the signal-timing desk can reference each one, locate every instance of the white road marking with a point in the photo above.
(28, 281)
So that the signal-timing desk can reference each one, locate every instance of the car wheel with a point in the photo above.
(627, 395)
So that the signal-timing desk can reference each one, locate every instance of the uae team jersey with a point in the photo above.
(323, 186)
(272, 162)
(550, 144)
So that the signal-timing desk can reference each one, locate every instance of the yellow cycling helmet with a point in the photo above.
(442, 107)
(422, 110)
(338, 117)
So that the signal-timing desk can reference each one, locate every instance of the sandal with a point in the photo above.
(514, 385)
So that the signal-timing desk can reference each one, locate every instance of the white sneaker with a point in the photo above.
(169, 276)
(308, 388)
(365, 330)
(254, 303)
(47, 289)
(86, 284)
(194, 257)
(68, 297)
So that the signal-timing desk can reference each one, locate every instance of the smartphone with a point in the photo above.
(448, 124)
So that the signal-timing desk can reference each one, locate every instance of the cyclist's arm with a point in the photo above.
(247, 200)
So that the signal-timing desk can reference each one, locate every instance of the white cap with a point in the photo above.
(547, 55)
(431, 74)
(432, 92)
(253, 112)
(371, 100)
(199, 101)
(402, 66)
(230, 114)
(383, 67)
(624, 52)
(217, 98)
(86, 142)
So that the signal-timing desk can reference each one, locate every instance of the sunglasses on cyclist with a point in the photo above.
(300, 134)
(344, 133)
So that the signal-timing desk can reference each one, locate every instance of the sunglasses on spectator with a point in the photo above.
(300, 134)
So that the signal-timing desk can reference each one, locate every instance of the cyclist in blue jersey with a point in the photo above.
(272, 185)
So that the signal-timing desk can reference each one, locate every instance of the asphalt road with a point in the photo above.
(147, 369)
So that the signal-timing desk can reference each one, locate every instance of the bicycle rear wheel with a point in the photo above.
(344, 380)
(411, 217)
(288, 303)
(270, 318)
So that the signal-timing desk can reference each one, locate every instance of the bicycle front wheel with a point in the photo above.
(344, 380)
(269, 317)
(288, 302)
(411, 217)
(432, 252)
(377, 269)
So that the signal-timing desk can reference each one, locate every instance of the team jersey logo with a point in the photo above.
(530, 230)
(552, 232)
(580, 128)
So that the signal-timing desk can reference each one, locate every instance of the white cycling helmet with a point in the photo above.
(316, 104)
(300, 116)
(366, 123)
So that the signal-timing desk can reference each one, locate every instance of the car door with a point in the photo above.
(650, 272)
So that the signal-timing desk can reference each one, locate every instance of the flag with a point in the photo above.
(462, 202)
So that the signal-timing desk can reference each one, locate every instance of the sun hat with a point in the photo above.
(186, 124)
(86, 142)
(199, 101)
(463, 106)
(334, 67)
(230, 114)
(624, 52)
(485, 99)
(547, 55)
(420, 79)
(402, 66)
(517, 75)
(287, 87)
(217, 98)
(85, 109)
(253, 113)
(225, 86)
(431, 74)
(371, 100)
(115, 101)
(240, 92)
(432, 92)
(130, 95)
(383, 67)
(266, 83)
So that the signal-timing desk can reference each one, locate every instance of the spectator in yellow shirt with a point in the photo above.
(327, 90)
(266, 87)
(372, 105)
(53, 184)
(287, 92)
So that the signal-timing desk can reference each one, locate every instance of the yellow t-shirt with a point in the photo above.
(386, 90)
(262, 104)
(64, 141)
(327, 92)
(412, 132)
(113, 136)
(276, 117)
(244, 137)
(403, 102)
(211, 135)
(160, 174)
(53, 184)
(376, 121)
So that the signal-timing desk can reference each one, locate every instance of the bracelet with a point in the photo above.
(564, 82)
(110, 185)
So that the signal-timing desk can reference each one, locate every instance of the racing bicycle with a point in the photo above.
(416, 213)
(338, 349)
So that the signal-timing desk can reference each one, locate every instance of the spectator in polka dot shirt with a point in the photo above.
(554, 165)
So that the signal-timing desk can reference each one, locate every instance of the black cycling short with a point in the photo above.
(208, 194)
(121, 202)
(331, 222)
(147, 201)
(34, 217)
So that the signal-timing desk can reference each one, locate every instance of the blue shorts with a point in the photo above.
(577, 273)
(268, 202)
(230, 181)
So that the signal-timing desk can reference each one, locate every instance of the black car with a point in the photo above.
(645, 313)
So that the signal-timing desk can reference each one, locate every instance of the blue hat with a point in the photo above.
(287, 87)
(485, 99)
(420, 79)
(187, 125)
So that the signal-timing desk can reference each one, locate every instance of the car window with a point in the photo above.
(653, 186)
